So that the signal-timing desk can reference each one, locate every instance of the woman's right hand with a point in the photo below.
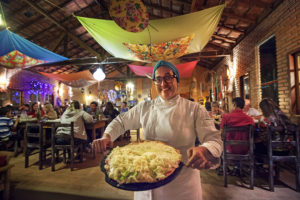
(100, 145)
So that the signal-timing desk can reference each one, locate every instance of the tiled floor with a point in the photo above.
(87, 182)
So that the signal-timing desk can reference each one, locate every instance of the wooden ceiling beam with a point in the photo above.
(197, 5)
(220, 45)
(230, 29)
(223, 38)
(161, 8)
(58, 41)
(71, 35)
(213, 45)
(18, 29)
(61, 22)
(244, 19)
(258, 3)
(183, 2)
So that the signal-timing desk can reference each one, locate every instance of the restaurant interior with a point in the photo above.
(55, 52)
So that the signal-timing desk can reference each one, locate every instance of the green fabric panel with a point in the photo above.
(110, 36)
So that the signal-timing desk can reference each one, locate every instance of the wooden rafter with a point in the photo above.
(71, 35)
(230, 29)
(244, 19)
(197, 5)
(18, 29)
(58, 41)
(224, 38)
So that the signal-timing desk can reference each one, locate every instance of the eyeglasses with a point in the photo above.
(168, 79)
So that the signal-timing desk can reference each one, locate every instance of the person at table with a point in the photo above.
(8, 127)
(34, 110)
(49, 111)
(252, 112)
(176, 121)
(216, 114)
(24, 108)
(207, 106)
(79, 117)
(216, 110)
(94, 111)
(276, 119)
(124, 107)
(110, 112)
(237, 118)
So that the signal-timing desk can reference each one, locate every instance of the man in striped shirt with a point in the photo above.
(6, 124)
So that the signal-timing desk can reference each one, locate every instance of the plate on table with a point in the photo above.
(139, 186)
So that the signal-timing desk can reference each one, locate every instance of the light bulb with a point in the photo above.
(99, 75)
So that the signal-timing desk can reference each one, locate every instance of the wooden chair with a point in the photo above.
(72, 147)
(5, 142)
(35, 140)
(273, 159)
(241, 158)
(5, 170)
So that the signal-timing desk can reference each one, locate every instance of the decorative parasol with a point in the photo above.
(16, 51)
(78, 79)
(162, 51)
(185, 69)
(130, 15)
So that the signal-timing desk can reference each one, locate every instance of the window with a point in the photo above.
(268, 69)
(244, 86)
(295, 81)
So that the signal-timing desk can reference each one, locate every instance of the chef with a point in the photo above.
(175, 121)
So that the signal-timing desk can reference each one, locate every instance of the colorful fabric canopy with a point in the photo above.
(131, 15)
(185, 69)
(16, 51)
(111, 37)
(79, 79)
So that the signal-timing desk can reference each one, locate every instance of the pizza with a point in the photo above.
(142, 162)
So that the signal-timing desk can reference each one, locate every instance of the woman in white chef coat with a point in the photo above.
(176, 121)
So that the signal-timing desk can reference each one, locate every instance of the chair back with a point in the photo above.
(69, 126)
(283, 141)
(33, 129)
(71, 147)
(241, 157)
(279, 147)
(248, 130)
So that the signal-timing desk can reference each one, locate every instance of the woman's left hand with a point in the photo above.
(200, 158)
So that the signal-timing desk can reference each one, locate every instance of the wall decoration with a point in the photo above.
(112, 95)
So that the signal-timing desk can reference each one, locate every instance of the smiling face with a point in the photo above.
(166, 90)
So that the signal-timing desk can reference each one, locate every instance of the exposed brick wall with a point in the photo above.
(284, 24)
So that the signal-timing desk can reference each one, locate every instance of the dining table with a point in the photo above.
(96, 124)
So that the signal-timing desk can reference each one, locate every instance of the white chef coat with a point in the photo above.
(176, 122)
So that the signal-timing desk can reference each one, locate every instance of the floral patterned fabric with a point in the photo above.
(131, 15)
(162, 51)
(18, 59)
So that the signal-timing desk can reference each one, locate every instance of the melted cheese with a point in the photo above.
(148, 161)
